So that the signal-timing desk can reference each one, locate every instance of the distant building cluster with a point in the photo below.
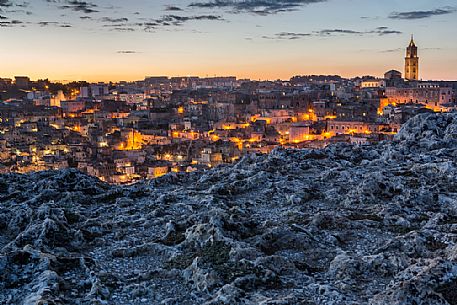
(127, 131)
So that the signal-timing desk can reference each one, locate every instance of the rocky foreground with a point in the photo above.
(343, 225)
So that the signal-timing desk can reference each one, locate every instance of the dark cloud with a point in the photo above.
(331, 32)
(15, 11)
(173, 8)
(54, 23)
(259, 7)
(23, 4)
(5, 3)
(288, 35)
(127, 52)
(114, 20)
(337, 31)
(79, 6)
(175, 20)
(123, 29)
(8, 6)
(370, 17)
(383, 30)
(421, 14)
(12, 23)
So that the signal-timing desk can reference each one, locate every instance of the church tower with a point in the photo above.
(411, 61)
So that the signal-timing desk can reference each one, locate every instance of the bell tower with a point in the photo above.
(411, 61)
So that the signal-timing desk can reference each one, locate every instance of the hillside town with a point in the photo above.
(128, 131)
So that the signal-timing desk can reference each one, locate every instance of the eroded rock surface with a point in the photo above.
(343, 225)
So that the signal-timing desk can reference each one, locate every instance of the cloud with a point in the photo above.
(15, 11)
(288, 35)
(127, 52)
(382, 30)
(421, 14)
(172, 8)
(5, 3)
(392, 50)
(399, 50)
(79, 6)
(7, 7)
(149, 24)
(10, 8)
(23, 4)
(123, 29)
(54, 23)
(114, 20)
(337, 31)
(175, 20)
(12, 23)
(259, 7)
(370, 17)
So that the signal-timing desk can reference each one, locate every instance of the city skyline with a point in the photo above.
(70, 40)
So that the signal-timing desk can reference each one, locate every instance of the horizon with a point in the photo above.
(102, 40)
(212, 76)
(209, 76)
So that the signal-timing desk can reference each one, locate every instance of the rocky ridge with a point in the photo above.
(343, 225)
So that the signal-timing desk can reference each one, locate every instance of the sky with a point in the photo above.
(101, 40)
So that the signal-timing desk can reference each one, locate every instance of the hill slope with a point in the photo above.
(343, 225)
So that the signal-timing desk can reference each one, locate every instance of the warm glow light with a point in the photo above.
(76, 128)
(330, 117)
(134, 142)
(267, 120)
(327, 135)
(237, 141)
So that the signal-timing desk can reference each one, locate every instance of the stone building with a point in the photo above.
(411, 62)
